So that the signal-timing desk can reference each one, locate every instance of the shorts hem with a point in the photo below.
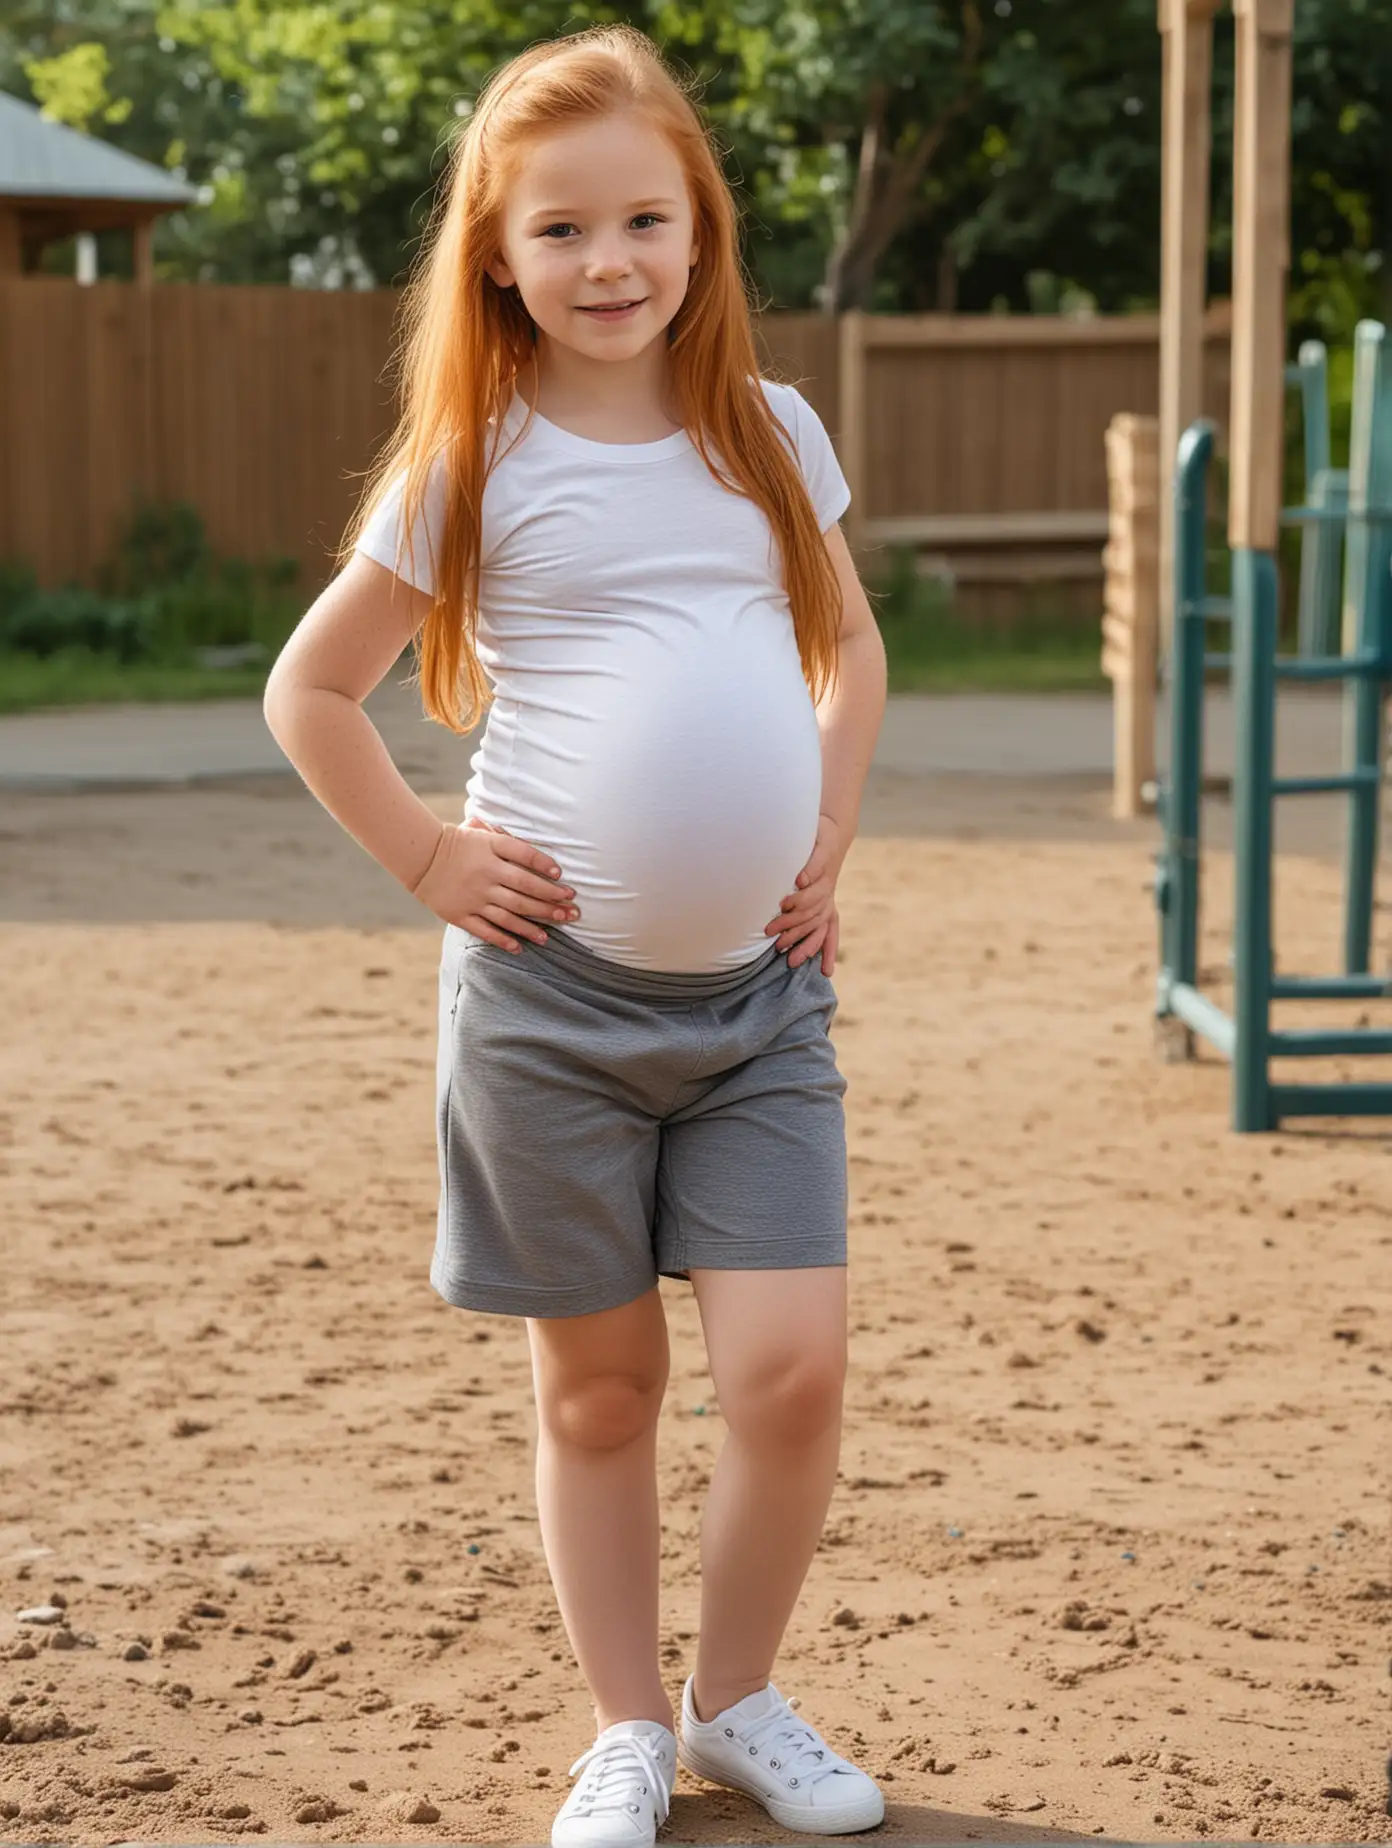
(518, 1299)
(768, 1254)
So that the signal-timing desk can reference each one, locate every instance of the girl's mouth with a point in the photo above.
(618, 311)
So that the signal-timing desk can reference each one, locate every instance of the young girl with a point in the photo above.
(594, 500)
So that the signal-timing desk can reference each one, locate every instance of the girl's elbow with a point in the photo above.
(277, 699)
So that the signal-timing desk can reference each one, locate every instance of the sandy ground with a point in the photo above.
(1108, 1555)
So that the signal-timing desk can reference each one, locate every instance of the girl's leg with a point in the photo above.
(776, 1342)
(599, 1383)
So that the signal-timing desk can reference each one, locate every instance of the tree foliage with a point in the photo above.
(887, 153)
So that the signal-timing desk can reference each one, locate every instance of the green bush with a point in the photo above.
(1052, 644)
(919, 613)
(163, 596)
(48, 622)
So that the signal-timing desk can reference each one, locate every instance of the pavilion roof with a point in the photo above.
(40, 159)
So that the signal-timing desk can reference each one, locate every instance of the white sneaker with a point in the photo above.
(759, 1747)
(625, 1793)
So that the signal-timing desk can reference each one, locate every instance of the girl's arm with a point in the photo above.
(849, 719)
(345, 644)
(808, 923)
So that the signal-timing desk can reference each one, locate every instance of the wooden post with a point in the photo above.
(1186, 28)
(1129, 618)
(851, 418)
(11, 257)
(1261, 263)
(142, 251)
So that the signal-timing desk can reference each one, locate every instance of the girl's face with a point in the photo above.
(598, 213)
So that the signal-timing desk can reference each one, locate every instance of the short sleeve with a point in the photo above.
(382, 538)
(830, 491)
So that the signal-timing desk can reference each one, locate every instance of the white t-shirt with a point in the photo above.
(651, 727)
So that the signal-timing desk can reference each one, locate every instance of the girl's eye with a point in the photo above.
(654, 216)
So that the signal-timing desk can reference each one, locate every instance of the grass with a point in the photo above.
(940, 664)
(930, 649)
(79, 678)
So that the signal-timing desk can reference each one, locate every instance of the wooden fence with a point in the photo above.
(977, 439)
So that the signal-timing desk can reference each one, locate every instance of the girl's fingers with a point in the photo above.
(794, 920)
(478, 927)
(521, 853)
(528, 870)
(829, 948)
(516, 881)
(509, 921)
(547, 906)
(797, 934)
(796, 962)
(810, 894)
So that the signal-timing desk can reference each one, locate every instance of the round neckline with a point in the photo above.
(560, 438)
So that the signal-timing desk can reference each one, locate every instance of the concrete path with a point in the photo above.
(1013, 735)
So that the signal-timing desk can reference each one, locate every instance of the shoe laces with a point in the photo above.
(617, 1770)
(800, 1750)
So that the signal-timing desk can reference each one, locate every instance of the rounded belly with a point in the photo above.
(681, 810)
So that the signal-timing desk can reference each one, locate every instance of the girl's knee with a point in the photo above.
(604, 1412)
(600, 1379)
(793, 1403)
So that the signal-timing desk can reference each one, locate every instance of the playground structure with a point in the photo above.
(1351, 512)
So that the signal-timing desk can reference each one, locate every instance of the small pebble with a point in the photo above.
(405, 1806)
(318, 1809)
(153, 1778)
(43, 1613)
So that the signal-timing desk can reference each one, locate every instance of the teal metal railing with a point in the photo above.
(1364, 523)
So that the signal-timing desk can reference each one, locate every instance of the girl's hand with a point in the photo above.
(489, 883)
(809, 916)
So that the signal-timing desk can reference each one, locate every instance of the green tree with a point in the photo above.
(891, 154)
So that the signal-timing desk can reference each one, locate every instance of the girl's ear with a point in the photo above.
(500, 273)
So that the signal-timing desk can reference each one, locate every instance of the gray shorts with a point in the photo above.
(600, 1126)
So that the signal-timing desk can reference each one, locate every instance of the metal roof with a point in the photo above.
(40, 159)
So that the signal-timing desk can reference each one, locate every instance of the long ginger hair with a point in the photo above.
(464, 341)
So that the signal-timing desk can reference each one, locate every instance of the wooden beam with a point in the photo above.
(143, 251)
(1023, 330)
(851, 435)
(988, 529)
(1058, 565)
(1187, 28)
(1261, 264)
(11, 262)
(1129, 623)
